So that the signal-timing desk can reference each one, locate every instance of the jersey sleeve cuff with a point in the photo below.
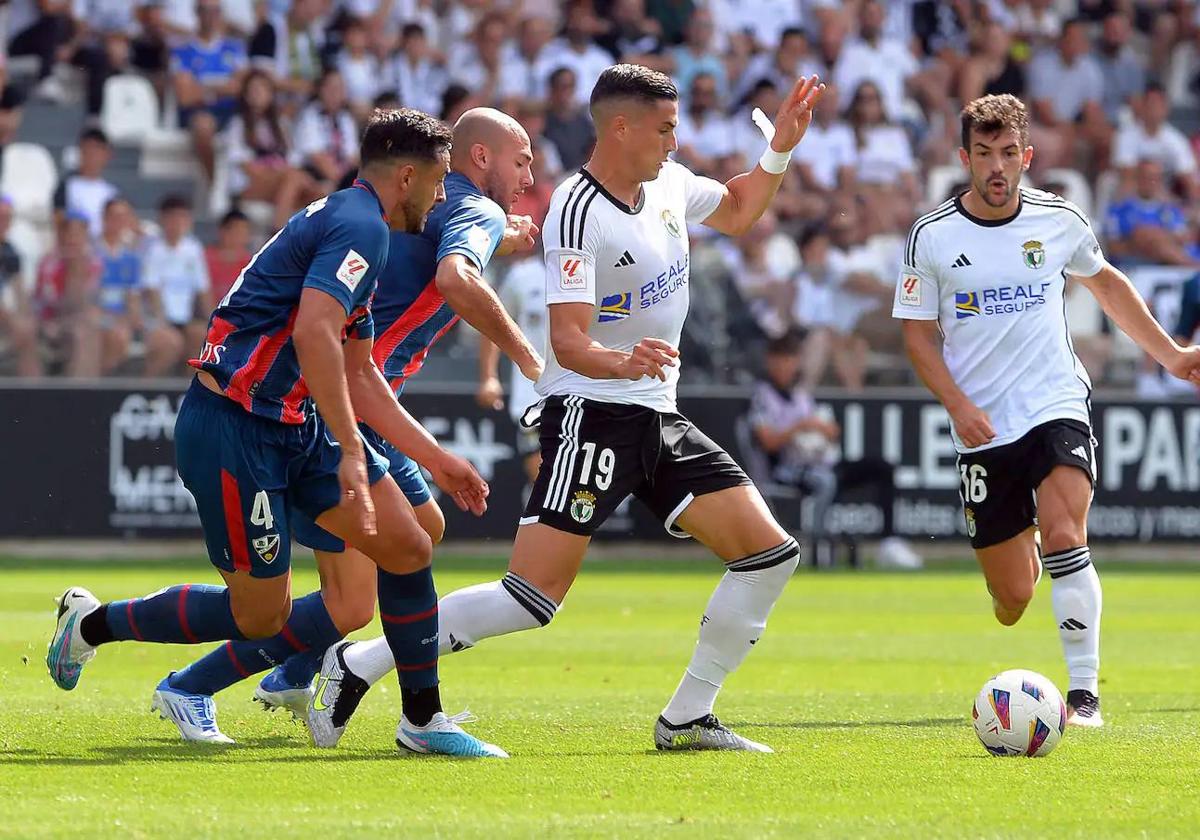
(906, 314)
(335, 290)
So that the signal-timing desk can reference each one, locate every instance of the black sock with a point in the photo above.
(420, 704)
(94, 627)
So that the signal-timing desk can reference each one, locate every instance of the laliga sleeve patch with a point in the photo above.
(479, 240)
(910, 290)
(352, 269)
(570, 273)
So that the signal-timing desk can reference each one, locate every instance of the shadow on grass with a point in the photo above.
(245, 751)
(849, 724)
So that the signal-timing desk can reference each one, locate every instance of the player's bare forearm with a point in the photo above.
(922, 344)
(1121, 302)
(375, 402)
(317, 337)
(473, 300)
(489, 359)
(579, 352)
(747, 197)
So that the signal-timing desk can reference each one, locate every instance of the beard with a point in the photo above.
(495, 190)
(984, 189)
(415, 217)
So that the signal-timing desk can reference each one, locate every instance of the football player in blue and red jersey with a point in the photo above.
(295, 332)
(430, 279)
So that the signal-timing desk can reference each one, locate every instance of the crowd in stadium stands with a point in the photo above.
(269, 95)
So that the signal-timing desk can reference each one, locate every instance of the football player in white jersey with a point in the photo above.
(616, 279)
(980, 297)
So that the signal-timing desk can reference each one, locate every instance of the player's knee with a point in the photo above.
(1012, 598)
(405, 552)
(262, 623)
(350, 614)
(1060, 535)
(432, 520)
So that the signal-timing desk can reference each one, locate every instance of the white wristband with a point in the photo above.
(774, 162)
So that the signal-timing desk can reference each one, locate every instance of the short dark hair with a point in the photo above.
(992, 114)
(812, 233)
(398, 133)
(115, 200)
(788, 344)
(174, 201)
(94, 134)
(791, 32)
(633, 81)
(412, 29)
(234, 215)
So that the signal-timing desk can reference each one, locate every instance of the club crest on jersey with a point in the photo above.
(615, 307)
(1035, 254)
(352, 269)
(570, 273)
(910, 290)
(583, 506)
(267, 547)
(672, 224)
(970, 516)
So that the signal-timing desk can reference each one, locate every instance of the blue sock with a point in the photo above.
(187, 614)
(300, 668)
(408, 612)
(308, 628)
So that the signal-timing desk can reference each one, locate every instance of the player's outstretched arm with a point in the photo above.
(376, 404)
(748, 195)
(477, 303)
(317, 337)
(971, 423)
(1121, 302)
(578, 351)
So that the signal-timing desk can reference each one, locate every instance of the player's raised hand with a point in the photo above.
(356, 490)
(519, 235)
(649, 357)
(458, 477)
(795, 113)
(972, 425)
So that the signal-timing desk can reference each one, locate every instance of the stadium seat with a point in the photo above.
(31, 241)
(29, 177)
(938, 184)
(130, 109)
(1075, 187)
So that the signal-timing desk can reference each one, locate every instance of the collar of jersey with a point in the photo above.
(361, 184)
(958, 205)
(465, 181)
(616, 202)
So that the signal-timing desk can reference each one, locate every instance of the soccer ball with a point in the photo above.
(1019, 713)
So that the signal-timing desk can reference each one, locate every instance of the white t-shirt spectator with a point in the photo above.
(419, 87)
(885, 154)
(888, 64)
(826, 150)
(361, 76)
(713, 137)
(179, 273)
(179, 14)
(764, 20)
(814, 304)
(77, 194)
(1067, 89)
(522, 79)
(1168, 146)
(317, 132)
(765, 66)
(106, 15)
(588, 65)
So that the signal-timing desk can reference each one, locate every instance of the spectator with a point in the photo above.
(478, 64)
(175, 268)
(419, 81)
(672, 17)
(990, 68)
(16, 320)
(1037, 24)
(456, 101)
(696, 55)
(884, 168)
(813, 310)
(783, 65)
(1066, 86)
(872, 57)
(568, 124)
(289, 47)
(576, 51)
(745, 137)
(523, 61)
(259, 153)
(40, 29)
(1188, 324)
(227, 257)
(360, 69)
(85, 191)
(764, 284)
(1123, 70)
(1149, 135)
(326, 136)
(801, 445)
(64, 301)
(1150, 227)
(829, 155)
(703, 133)
(149, 51)
(633, 36)
(206, 71)
(100, 44)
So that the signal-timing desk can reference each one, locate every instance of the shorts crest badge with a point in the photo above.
(672, 224)
(583, 506)
(267, 547)
(970, 515)
(1035, 254)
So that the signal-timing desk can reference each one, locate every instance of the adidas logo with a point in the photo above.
(626, 259)
(1080, 452)
(961, 262)
(1072, 624)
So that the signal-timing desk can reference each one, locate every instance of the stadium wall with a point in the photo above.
(95, 462)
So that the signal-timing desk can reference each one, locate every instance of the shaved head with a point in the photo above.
(493, 150)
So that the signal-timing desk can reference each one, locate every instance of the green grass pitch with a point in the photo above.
(862, 683)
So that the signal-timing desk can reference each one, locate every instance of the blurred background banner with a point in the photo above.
(99, 462)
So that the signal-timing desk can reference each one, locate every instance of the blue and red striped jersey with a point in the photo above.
(338, 245)
(410, 314)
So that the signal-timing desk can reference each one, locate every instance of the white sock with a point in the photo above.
(733, 621)
(1077, 599)
(465, 618)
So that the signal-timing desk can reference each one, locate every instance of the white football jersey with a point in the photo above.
(632, 265)
(996, 290)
